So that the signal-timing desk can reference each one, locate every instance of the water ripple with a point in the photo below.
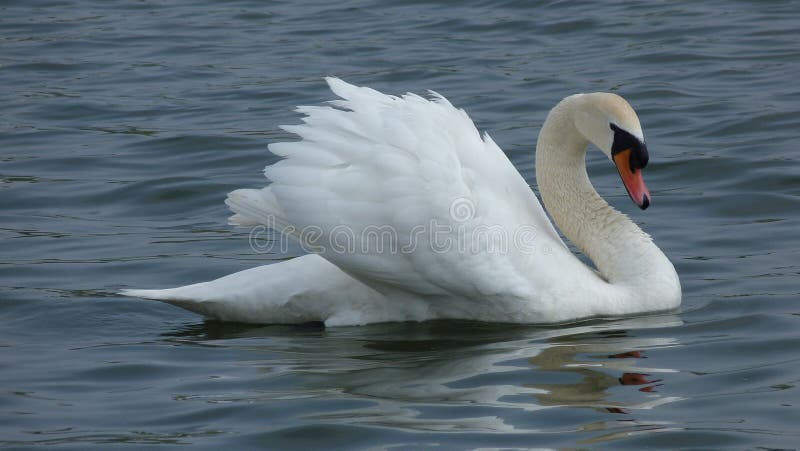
(123, 127)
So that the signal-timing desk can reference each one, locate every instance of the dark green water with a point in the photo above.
(124, 124)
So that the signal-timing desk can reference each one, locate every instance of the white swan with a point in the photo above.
(412, 215)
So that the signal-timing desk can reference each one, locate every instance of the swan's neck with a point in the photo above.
(623, 254)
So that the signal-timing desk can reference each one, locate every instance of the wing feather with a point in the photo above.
(403, 193)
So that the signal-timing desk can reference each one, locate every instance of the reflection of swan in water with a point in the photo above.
(603, 362)
(486, 376)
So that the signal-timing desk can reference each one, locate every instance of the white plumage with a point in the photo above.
(413, 215)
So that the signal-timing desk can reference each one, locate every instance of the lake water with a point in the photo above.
(124, 124)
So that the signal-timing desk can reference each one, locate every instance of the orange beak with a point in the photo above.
(632, 178)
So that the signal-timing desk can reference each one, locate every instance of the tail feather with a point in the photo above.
(306, 288)
(159, 295)
(236, 297)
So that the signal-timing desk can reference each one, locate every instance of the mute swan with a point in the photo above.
(410, 214)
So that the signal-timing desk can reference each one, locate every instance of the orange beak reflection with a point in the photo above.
(632, 178)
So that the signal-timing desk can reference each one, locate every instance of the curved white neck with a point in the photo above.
(638, 276)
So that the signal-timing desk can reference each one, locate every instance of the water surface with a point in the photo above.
(124, 124)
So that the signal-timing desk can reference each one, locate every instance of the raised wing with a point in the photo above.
(404, 194)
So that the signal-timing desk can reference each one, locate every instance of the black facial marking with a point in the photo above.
(624, 140)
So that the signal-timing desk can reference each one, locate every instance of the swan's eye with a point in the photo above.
(624, 140)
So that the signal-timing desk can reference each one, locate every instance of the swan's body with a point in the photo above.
(412, 215)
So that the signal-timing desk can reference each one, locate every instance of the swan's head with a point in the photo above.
(609, 122)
